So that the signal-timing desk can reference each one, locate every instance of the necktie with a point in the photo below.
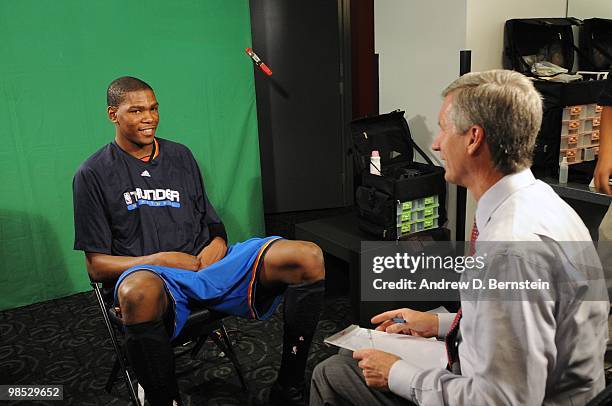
(473, 238)
(452, 347)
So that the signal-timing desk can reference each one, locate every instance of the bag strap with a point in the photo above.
(604, 52)
(585, 56)
(414, 144)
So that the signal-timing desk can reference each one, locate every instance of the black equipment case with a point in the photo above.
(558, 96)
(595, 45)
(551, 39)
(531, 40)
(402, 179)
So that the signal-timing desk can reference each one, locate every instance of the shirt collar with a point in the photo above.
(499, 192)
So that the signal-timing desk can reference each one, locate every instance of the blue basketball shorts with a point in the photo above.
(227, 286)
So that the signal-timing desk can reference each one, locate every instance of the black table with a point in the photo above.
(578, 191)
(590, 205)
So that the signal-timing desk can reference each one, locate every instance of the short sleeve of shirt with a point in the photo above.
(92, 232)
(605, 99)
(211, 217)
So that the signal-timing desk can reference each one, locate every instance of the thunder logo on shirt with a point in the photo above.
(152, 197)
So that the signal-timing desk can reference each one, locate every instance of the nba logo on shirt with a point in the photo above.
(128, 198)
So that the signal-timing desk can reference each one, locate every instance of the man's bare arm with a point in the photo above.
(213, 252)
(103, 267)
(603, 170)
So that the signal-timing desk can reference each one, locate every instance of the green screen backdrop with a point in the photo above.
(56, 60)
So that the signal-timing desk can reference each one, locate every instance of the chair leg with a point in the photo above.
(130, 383)
(223, 341)
(198, 346)
(141, 394)
(119, 354)
(112, 377)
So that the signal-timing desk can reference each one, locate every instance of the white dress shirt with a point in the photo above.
(518, 352)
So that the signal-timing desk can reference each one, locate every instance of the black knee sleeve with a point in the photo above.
(302, 309)
(150, 353)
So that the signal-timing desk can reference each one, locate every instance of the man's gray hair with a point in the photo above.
(509, 109)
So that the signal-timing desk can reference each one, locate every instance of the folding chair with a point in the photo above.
(202, 324)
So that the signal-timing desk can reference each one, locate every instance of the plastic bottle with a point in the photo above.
(375, 163)
(563, 170)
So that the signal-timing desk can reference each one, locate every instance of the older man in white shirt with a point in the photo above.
(511, 352)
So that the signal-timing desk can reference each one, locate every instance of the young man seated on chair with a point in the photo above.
(144, 221)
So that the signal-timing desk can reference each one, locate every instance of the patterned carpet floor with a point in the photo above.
(64, 341)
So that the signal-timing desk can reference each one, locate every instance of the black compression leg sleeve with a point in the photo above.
(150, 353)
(302, 308)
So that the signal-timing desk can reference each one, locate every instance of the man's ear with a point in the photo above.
(112, 113)
(476, 139)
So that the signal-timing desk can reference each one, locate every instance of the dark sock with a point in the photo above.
(150, 353)
(302, 308)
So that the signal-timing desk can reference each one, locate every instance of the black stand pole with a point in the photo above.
(465, 66)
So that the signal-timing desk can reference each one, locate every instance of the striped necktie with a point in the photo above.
(450, 341)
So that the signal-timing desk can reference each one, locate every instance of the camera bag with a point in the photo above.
(530, 40)
(595, 45)
(409, 196)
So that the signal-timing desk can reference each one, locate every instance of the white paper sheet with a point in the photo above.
(421, 352)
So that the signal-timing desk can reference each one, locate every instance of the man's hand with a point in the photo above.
(174, 259)
(376, 365)
(213, 252)
(417, 323)
(603, 172)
